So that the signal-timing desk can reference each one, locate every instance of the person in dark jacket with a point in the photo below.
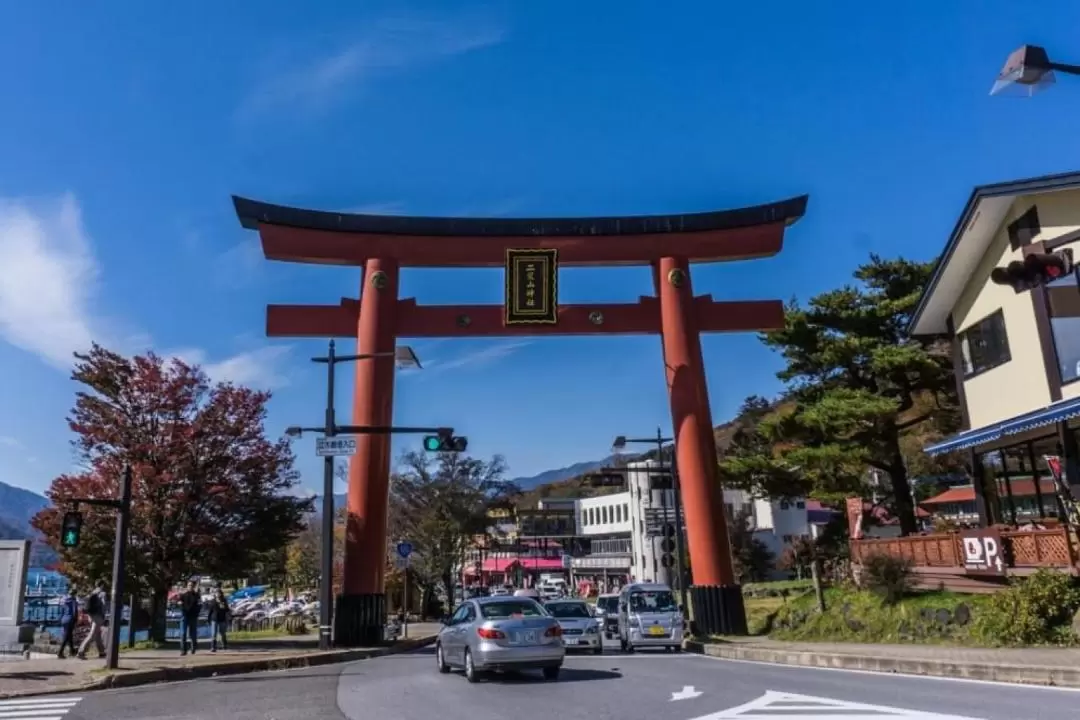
(190, 607)
(218, 613)
(69, 617)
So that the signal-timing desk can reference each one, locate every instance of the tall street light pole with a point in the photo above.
(406, 358)
(620, 443)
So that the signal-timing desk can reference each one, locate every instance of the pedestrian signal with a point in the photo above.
(70, 529)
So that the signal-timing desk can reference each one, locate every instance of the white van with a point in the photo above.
(649, 616)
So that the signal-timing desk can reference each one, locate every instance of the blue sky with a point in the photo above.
(127, 127)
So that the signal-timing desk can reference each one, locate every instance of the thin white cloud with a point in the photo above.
(477, 358)
(389, 45)
(49, 282)
(259, 368)
(48, 278)
(8, 441)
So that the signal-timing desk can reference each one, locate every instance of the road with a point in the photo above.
(408, 687)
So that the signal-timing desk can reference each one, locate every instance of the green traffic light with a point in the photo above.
(71, 538)
(432, 443)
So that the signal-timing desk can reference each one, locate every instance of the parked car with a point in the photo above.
(607, 609)
(498, 634)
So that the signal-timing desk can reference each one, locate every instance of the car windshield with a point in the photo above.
(568, 610)
(608, 604)
(655, 601)
(510, 608)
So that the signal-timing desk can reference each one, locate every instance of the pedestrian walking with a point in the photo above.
(190, 607)
(95, 609)
(218, 613)
(69, 616)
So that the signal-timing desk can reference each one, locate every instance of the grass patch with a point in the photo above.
(776, 586)
(245, 635)
(760, 611)
(935, 617)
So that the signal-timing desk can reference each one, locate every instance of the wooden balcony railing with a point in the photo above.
(1050, 548)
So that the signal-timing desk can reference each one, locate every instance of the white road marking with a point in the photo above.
(895, 675)
(777, 705)
(46, 708)
(687, 693)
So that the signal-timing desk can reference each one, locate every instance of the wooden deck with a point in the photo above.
(938, 557)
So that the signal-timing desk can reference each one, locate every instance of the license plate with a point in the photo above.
(582, 642)
(656, 630)
(525, 638)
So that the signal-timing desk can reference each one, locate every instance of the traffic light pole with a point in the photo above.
(116, 609)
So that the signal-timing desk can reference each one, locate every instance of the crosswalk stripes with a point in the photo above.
(40, 708)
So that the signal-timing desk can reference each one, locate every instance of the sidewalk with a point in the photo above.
(20, 678)
(1034, 666)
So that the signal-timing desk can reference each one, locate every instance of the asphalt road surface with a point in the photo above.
(655, 686)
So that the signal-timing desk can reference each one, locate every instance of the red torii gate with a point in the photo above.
(382, 245)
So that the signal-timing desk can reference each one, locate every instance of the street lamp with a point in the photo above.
(1027, 70)
(404, 357)
(620, 444)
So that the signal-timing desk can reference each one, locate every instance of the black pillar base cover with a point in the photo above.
(718, 610)
(360, 620)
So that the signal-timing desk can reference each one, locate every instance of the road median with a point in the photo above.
(110, 679)
(1024, 674)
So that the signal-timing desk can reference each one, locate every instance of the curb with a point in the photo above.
(135, 678)
(1017, 674)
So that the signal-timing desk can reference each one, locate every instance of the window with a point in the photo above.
(800, 505)
(784, 505)
(985, 345)
(1065, 325)
(1023, 229)
(626, 511)
(603, 515)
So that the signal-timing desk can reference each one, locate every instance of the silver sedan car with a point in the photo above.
(580, 629)
(498, 634)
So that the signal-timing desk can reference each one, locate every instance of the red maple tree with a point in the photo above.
(209, 492)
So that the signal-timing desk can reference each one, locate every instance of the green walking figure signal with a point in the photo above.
(71, 529)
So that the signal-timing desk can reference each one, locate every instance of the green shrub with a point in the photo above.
(1037, 610)
(888, 577)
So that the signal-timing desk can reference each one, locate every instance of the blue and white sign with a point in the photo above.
(567, 562)
(404, 549)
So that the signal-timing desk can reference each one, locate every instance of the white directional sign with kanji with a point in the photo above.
(335, 446)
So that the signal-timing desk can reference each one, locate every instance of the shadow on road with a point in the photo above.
(566, 676)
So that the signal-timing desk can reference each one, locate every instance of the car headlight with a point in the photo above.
(591, 630)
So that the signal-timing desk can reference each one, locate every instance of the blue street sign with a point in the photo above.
(404, 548)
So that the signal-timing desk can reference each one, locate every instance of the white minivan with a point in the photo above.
(649, 616)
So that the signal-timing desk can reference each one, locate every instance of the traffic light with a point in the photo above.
(605, 479)
(445, 443)
(70, 529)
(667, 545)
(1034, 270)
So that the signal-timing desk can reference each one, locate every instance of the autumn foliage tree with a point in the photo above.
(210, 489)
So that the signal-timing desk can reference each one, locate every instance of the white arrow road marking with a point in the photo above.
(47, 708)
(687, 693)
(776, 705)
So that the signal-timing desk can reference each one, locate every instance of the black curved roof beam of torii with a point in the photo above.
(312, 236)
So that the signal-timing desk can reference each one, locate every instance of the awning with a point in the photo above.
(1048, 415)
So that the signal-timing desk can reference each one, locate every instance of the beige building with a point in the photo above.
(1016, 354)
